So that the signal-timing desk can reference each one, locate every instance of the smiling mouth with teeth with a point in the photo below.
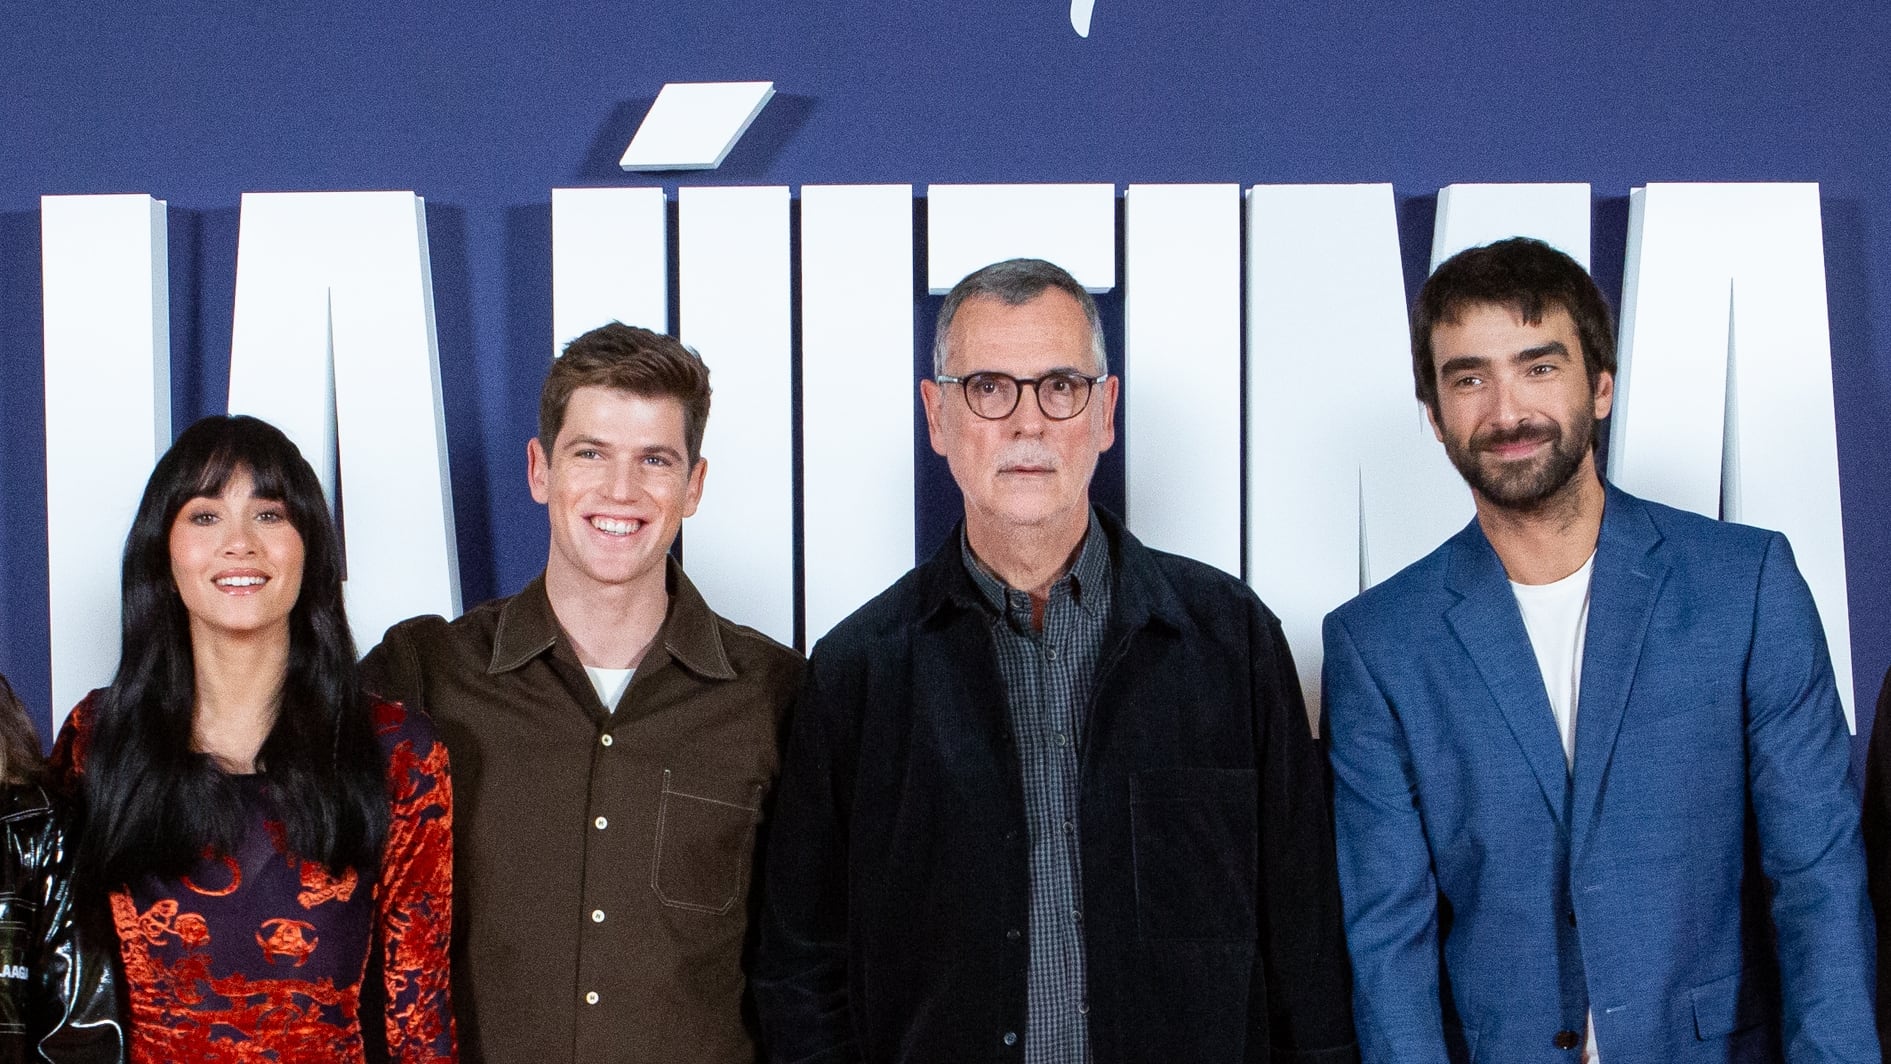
(241, 581)
(613, 527)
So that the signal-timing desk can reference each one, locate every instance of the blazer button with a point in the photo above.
(1566, 1039)
(1012, 935)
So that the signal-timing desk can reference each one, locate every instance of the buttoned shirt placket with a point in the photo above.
(1049, 674)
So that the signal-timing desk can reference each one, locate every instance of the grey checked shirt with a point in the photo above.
(1048, 677)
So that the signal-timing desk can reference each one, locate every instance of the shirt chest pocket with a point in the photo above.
(705, 842)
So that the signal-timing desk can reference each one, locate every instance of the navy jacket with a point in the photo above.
(897, 890)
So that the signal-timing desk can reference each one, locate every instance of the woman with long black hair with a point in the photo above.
(262, 826)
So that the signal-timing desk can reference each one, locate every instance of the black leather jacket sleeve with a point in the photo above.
(63, 994)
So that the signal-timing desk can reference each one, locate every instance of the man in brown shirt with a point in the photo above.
(613, 743)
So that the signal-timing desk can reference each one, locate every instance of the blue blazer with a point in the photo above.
(1493, 897)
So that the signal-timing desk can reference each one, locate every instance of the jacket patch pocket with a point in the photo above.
(1193, 832)
(705, 842)
(1727, 1006)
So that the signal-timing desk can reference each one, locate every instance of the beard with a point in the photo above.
(1524, 485)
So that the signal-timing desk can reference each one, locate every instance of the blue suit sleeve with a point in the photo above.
(1807, 813)
(1389, 893)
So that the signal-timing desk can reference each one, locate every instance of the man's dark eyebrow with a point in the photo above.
(1549, 350)
(1463, 364)
(663, 449)
(588, 441)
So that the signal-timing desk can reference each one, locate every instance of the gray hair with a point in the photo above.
(1017, 282)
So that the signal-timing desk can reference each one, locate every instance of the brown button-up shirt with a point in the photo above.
(602, 860)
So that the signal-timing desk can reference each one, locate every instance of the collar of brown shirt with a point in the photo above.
(688, 636)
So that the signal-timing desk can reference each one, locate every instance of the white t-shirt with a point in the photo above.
(609, 684)
(1557, 617)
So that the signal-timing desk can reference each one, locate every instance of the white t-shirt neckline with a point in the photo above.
(610, 684)
(1556, 616)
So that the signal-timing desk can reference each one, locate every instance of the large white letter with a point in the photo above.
(610, 260)
(1473, 215)
(1723, 403)
(106, 293)
(1346, 484)
(733, 276)
(856, 395)
(969, 226)
(334, 343)
(1182, 350)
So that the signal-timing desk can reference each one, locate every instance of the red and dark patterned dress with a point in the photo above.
(260, 956)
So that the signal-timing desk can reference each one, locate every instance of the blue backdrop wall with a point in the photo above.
(484, 108)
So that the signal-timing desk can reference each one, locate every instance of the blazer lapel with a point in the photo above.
(1629, 572)
(1488, 623)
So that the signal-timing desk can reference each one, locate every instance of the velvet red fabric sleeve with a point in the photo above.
(414, 893)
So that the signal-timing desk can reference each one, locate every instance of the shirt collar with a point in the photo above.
(1091, 570)
(690, 634)
(527, 628)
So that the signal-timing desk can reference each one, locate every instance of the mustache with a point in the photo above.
(1530, 432)
(1028, 454)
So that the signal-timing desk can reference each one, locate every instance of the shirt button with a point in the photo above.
(1063, 739)
(1052, 653)
(1069, 827)
(1077, 915)
(1566, 1040)
(591, 998)
(605, 739)
(597, 916)
(1012, 935)
(1083, 1007)
(601, 823)
(1011, 1038)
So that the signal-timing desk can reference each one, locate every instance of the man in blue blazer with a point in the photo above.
(1591, 769)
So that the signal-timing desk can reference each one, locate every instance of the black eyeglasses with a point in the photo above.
(1061, 395)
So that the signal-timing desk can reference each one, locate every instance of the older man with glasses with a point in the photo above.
(1052, 797)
